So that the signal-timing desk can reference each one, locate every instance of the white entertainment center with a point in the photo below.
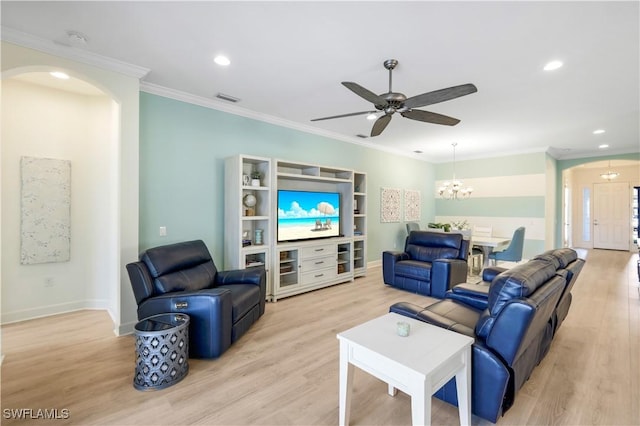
(251, 221)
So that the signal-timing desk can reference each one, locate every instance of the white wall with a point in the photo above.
(42, 122)
(119, 242)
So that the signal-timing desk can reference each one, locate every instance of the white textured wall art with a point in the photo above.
(412, 205)
(45, 210)
(390, 204)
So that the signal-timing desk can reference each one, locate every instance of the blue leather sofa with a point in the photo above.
(512, 320)
(182, 278)
(431, 263)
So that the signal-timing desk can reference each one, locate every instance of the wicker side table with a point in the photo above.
(162, 351)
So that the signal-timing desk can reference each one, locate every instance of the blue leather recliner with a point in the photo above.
(222, 305)
(431, 263)
(513, 328)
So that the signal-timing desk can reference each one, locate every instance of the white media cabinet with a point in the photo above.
(297, 266)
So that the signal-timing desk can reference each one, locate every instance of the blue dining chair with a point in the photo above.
(412, 226)
(511, 252)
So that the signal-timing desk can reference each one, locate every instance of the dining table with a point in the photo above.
(487, 244)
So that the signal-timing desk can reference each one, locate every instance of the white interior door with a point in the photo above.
(611, 215)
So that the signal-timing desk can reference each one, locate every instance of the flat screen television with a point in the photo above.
(306, 215)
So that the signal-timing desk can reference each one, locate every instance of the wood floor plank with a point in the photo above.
(284, 371)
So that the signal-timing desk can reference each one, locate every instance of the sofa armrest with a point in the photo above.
(445, 273)
(256, 276)
(389, 260)
(489, 273)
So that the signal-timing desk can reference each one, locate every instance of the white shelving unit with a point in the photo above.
(243, 223)
(296, 266)
(359, 224)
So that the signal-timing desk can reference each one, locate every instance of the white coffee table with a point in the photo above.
(418, 365)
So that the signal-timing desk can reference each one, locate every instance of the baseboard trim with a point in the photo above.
(45, 311)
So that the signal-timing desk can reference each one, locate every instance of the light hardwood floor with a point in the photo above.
(284, 371)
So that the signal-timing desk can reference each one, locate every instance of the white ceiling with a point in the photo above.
(288, 59)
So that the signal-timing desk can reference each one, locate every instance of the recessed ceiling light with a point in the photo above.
(221, 60)
(60, 75)
(417, 151)
(372, 116)
(603, 146)
(598, 132)
(553, 65)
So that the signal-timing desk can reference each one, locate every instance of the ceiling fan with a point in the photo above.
(392, 102)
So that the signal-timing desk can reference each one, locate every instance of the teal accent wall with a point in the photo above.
(182, 152)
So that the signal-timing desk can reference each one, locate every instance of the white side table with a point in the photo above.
(418, 365)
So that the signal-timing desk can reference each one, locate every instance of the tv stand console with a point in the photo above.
(251, 220)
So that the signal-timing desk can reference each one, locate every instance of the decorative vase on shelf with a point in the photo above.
(258, 237)
(246, 180)
(255, 182)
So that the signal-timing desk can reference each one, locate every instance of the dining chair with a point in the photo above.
(412, 226)
(476, 252)
(511, 252)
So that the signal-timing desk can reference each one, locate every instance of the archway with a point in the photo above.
(78, 121)
(581, 184)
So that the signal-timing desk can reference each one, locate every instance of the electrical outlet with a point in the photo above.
(49, 282)
(163, 231)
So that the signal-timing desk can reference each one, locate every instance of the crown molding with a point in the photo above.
(48, 46)
(179, 95)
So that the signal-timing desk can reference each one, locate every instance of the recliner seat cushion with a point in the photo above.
(414, 269)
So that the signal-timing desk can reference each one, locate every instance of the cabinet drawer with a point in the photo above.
(318, 276)
(321, 250)
(317, 263)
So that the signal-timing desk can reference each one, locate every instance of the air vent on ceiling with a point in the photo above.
(360, 135)
(227, 98)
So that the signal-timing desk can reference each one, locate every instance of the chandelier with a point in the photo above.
(609, 174)
(454, 190)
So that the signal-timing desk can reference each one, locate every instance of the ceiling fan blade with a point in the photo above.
(343, 115)
(364, 93)
(441, 95)
(380, 125)
(430, 117)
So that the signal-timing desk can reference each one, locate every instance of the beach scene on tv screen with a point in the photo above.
(304, 215)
